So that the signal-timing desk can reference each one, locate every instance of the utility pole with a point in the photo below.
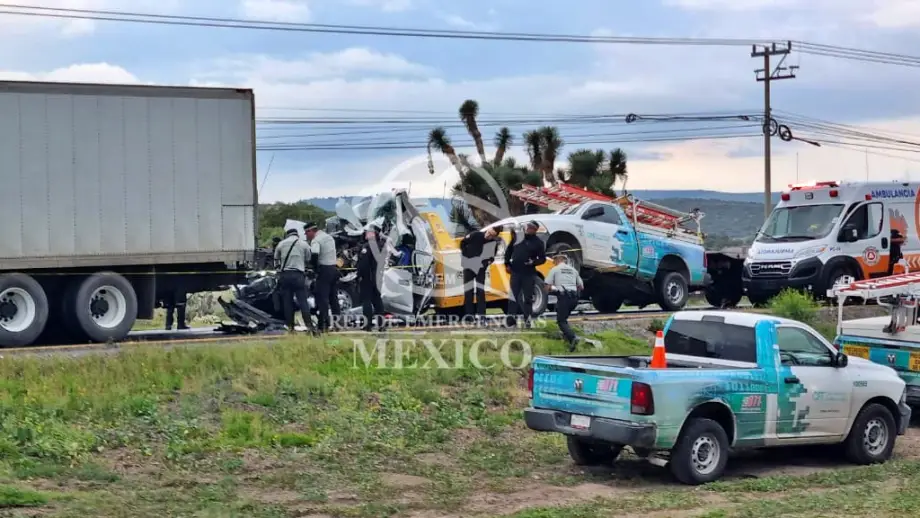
(766, 75)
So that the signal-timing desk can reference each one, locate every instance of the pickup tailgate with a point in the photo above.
(589, 389)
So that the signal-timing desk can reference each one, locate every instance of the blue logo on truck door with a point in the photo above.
(905, 192)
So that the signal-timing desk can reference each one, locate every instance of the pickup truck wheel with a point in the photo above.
(592, 454)
(701, 452)
(672, 291)
(574, 258)
(872, 438)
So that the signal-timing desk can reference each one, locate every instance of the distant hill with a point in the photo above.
(750, 197)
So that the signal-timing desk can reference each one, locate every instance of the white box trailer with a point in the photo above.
(113, 197)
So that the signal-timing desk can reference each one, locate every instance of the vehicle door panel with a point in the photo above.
(872, 245)
(814, 395)
(610, 242)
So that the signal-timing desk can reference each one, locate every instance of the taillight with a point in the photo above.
(836, 345)
(530, 382)
(641, 399)
(705, 262)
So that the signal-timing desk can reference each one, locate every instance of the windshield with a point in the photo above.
(571, 209)
(799, 223)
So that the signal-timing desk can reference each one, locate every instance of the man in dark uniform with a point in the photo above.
(522, 257)
(293, 255)
(175, 302)
(370, 276)
(477, 251)
(896, 241)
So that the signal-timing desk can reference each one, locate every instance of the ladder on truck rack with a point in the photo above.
(562, 196)
(904, 287)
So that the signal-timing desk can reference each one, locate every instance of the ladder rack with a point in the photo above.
(562, 196)
(905, 286)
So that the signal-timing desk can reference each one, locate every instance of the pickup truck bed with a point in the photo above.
(642, 362)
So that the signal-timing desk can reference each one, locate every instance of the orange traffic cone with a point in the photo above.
(658, 357)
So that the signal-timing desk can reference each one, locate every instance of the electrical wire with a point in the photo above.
(834, 51)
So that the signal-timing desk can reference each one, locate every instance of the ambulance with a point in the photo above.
(822, 231)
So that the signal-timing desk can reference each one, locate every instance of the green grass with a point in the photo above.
(296, 428)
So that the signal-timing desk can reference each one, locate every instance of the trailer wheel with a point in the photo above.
(104, 307)
(23, 310)
(719, 299)
(606, 302)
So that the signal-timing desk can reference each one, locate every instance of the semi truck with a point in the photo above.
(113, 196)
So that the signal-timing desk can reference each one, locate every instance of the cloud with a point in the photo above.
(460, 22)
(78, 73)
(317, 66)
(276, 10)
(888, 14)
(390, 6)
(13, 27)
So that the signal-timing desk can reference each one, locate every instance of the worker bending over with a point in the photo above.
(477, 254)
(370, 276)
(522, 257)
(326, 294)
(566, 283)
(293, 255)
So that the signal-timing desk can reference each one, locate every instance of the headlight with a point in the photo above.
(809, 252)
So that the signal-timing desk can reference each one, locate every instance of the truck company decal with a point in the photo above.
(870, 254)
(905, 192)
(753, 403)
(649, 251)
(607, 385)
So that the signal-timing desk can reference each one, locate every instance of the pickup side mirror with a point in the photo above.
(841, 360)
(593, 212)
(848, 234)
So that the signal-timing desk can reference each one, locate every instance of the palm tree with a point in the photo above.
(503, 141)
(552, 144)
(534, 142)
(617, 167)
(584, 164)
(439, 140)
(469, 110)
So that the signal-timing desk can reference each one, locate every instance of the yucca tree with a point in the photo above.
(552, 144)
(469, 110)
(439, 140)
(585, 164)
(617, 167)
(503, 140)
(534, 143)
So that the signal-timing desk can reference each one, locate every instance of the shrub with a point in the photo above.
(655, 325)
(795, 305)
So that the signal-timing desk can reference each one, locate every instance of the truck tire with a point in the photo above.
(23, 310)
(871, 440)
(701, 452)
(540, 298)
(671, 288)
(719, 299)
(759, 300)
(103, 307)
(574, 257)
(592, 454)
(606, 302)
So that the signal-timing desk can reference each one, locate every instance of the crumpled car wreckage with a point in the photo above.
(408, 278)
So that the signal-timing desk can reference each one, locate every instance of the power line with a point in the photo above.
(239, 23)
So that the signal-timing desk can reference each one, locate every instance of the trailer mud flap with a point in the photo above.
(248, 318)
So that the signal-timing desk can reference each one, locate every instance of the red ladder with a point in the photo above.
(881, 287)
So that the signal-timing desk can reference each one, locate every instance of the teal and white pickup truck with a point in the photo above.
(733, 381)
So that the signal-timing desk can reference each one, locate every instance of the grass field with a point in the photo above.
(295, 428)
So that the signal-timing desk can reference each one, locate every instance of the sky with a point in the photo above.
(310, 75)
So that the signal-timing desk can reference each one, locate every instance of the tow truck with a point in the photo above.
(654, 253)
(892, 340)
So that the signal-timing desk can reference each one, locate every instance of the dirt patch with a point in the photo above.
(273, 497)
(435, 459)
(124, 461)
(540, 495)
(400, 481)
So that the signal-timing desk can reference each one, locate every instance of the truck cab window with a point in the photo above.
(711, 340)
(609, 216)
(868, 220)
(798, 347)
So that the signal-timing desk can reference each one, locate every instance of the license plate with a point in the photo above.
(581, 421)
(857, 351)
(915, 362)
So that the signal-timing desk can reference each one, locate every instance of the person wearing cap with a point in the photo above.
(477, 251)
(370, 276)
(325, 263)
(522, 257)
(292, 256)
(565, 282)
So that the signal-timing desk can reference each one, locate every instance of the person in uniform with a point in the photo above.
(175, 304)
(896, 241)
(477, 253)
(565, 282)
(292, 255)
(522, 257)
(325, 262)
(370, 276)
